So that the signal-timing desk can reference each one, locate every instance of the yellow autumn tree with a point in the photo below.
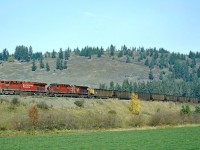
(134, 105)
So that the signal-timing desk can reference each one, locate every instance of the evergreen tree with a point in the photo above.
(53, 54)
(193, 63)
(102, 50)
(161, 76)
(34, 66)
(41, 64)
(152, 63)
(1, 56)
(127, 59)
(5, 54)
(120, 54)
(30, 53)
(112, 86)
(99, 53)
(37, 56)
(65, 65)
(47, 67)
(151, 75)
(198, 72)
(61, 54)
(146, 63)
(21, 53)
(112, 50)
(191, 55)
(67, 54)
(58, 63)
(77, 51)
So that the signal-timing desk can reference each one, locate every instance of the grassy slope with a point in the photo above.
(169, 138)
(65, 106)
(81, 71)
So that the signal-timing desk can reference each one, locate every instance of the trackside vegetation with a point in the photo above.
(40, 113)
(151, 139)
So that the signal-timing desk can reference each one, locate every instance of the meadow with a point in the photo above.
(164, 138)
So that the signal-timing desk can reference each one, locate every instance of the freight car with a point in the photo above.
(101, 93)
(157, 97)
(171, 98)
(144, 96)
(122, 94)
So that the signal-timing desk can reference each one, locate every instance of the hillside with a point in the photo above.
(133, 69)
(80, 71)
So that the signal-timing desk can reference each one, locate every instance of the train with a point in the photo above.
(11, 87)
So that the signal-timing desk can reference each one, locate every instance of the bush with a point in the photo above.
(197, 109)
(137, 121)
(164, 118)
(185, 109)
(42, 105)
(15, 101)
(33, 115)
(79, 103)
(112, 112)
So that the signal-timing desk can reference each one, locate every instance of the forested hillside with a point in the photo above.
(138, 69)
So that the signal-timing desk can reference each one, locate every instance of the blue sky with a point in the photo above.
(54, 24)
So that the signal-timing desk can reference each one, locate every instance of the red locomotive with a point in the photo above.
(16, 87)
(66, 90)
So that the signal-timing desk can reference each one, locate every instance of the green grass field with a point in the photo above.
(184, 138)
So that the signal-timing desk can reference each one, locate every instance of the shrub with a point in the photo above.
(137, 121)
(15, 101)
(33, 115)
(11, 107)
(164, 118)
(79, 103)
(20, 122)
(3, 100)
(197, 109)
(42, 105)
(112, 112)
(185, 109)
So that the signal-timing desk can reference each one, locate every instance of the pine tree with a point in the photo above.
(30, 53)
(127, 59)
(161, 76)
(65, 65)
(53, 54)
(151, 75)
(57, 63)
(146, 63)
(34, 66)
(61, 64)
(198, 72)
(41, 64)
(61, 54)
(5, 54)
(193, 63)
(112, 86)
(120, 54)
(67, 54)
(112, 50)
(47, 67)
